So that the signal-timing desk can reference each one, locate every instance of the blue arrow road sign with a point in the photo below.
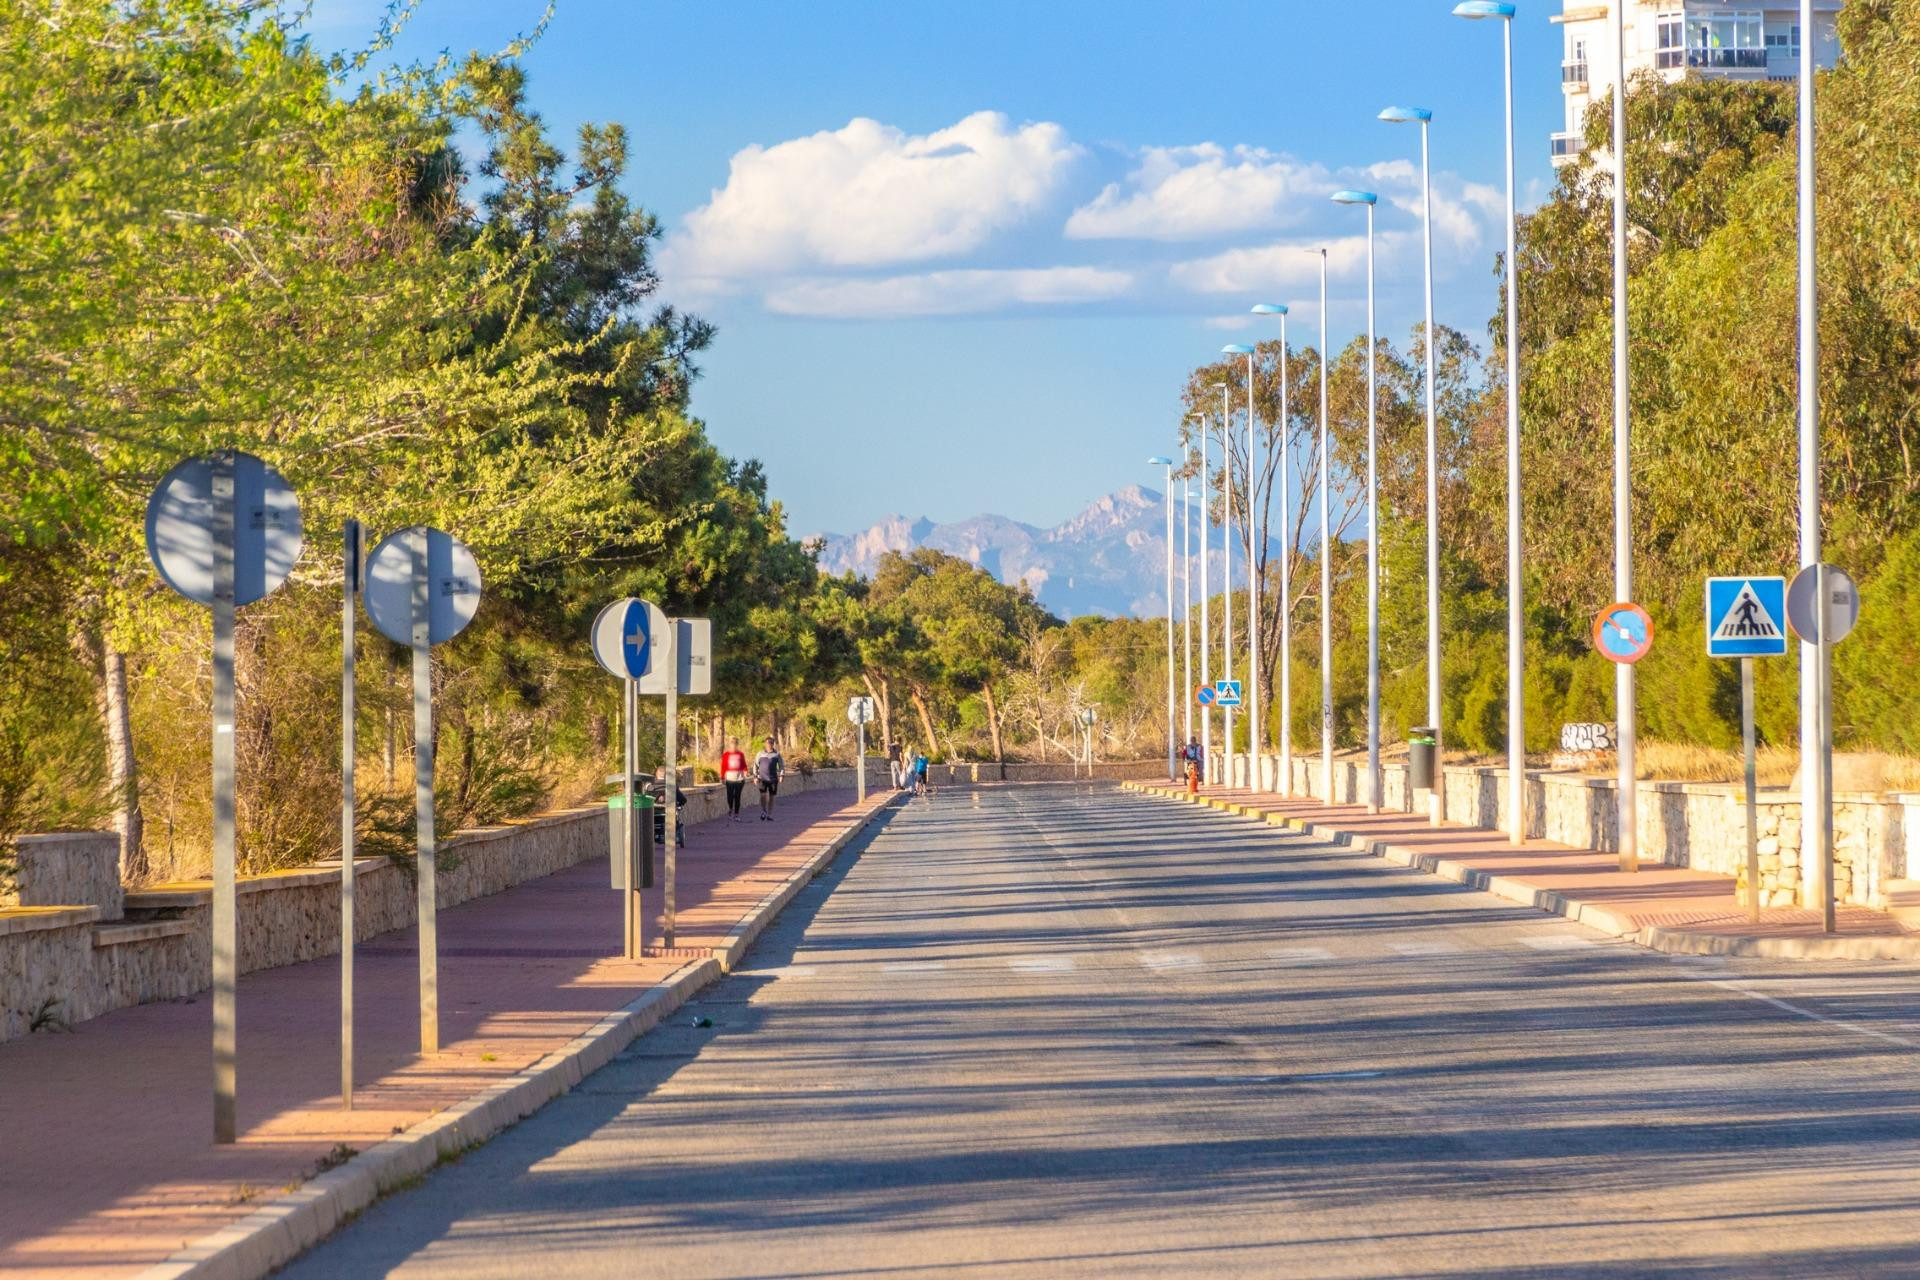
(1746, 617)
(635, 640)
(1226, 693)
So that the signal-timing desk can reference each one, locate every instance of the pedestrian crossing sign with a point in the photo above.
(1746, 617)
(1226, 693)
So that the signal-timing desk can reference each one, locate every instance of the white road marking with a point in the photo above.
(1425, 948)
(1300, 955)
(1344, 1075)
(913, 966)
(1789, 1007)
(1042, 964)
(1164, 960)
(1558, 942)
(784, 971)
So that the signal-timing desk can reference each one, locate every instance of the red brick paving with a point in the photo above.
(1655, 896)
(106, 1158)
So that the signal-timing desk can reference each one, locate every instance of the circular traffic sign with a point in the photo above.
(623, 637)
(1623, 633)
(266, 527)
(1204, 695)
(444, 568)
(1841, 613)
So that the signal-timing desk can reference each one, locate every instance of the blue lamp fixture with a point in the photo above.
(1483, 9)
(1407, 115)
(1269, 309)
(1355, 197)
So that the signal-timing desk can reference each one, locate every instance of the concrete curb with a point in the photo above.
(1682, 942)
(279, 1231)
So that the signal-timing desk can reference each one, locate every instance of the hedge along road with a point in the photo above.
(1068, 1031)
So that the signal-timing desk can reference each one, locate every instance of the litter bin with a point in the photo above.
(643, 843)
(1422, 757)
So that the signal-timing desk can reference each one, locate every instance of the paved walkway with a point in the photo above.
(106, 1162)
(1055, 1033)
(1674, 908)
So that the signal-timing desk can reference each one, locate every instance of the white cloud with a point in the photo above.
(870, 195)
(1292, 265)
(946, 293)
(1200, 192)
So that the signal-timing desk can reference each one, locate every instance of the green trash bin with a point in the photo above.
(642, 843)
(1422, 758)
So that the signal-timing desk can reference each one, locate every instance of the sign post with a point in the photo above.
(623, 646)
(860, 711)
(1623, 633)
(1746, 619)
(223, 530)
(1822, 607)
(350, 539)
(1089, 718)
(422, 589)
(684, 665)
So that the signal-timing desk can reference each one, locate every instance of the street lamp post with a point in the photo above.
(1369, 200)
(1171, 749)
(1326, 553)
(1516, 639)
(1254, 743)
(1206, 609)
(1627, 786)
(1437, 798)
(1186, 583)
(1226, 568)
(1816, 762)
(1281, 436)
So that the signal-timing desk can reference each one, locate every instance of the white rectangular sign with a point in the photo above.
(693, 644)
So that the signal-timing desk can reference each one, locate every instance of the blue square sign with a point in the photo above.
(1746, 617)
(1226, 693)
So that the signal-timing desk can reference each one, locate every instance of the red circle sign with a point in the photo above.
(1623, 633)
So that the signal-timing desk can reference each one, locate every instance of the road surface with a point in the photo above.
(1075, 1032)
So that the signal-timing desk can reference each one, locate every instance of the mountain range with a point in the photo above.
(1108, 560)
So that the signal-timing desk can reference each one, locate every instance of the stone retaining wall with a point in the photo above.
(73, 961)
(1686, 824)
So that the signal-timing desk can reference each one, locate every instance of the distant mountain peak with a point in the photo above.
(1110, 559)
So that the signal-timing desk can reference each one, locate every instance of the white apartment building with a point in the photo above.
(1726, 39)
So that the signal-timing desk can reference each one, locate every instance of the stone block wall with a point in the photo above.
(79, 868)
(1685, 824)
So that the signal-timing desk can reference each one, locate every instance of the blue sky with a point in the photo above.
(962, 255)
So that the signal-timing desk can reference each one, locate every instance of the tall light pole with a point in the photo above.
(1326, 551)
(1206, 609)
(1253, 580)
(1226, 565)
(1281, 435)
(1816, 826)
(1627, 787)
(1369, 200)
(1186, 581)
(1172, 750)
(1516, 636)
(1437, 798)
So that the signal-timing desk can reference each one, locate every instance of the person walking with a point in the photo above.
(920, 774)
(733, 773)
(1195, 759)
(767, 768)
(893, 764)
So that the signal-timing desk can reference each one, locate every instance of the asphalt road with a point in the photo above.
(1073, 1032)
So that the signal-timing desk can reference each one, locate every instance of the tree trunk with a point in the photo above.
(993, 729)
(882, 694)
(109, 669)
(123, 769)
(926, 720)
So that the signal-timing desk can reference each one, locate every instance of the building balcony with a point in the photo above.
(1568, 145)
(1727, 59)
(1573, 75)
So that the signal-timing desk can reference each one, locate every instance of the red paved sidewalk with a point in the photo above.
(1677, 908)
(106, 1159)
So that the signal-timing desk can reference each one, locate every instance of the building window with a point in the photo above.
(1784, 41)
(1726, 41)
(1672, 48)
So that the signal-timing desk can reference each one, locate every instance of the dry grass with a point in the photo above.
(1856, 771)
